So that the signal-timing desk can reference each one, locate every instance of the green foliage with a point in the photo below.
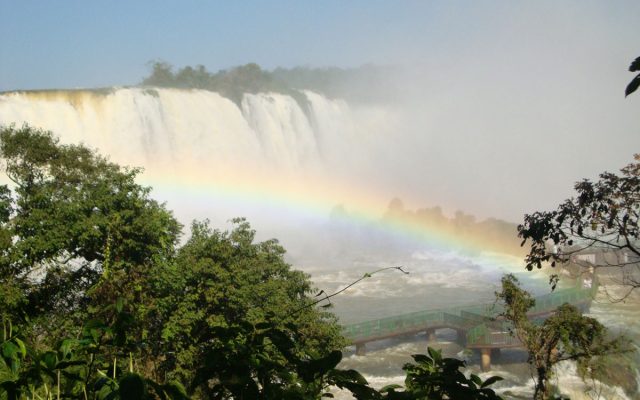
(602, 218)
(232, 83)
(366, 83)
(76, 232)
(635, 82)
(233, 312)
(76, 368)
(565, 335)
(161, 75)
(435, 377)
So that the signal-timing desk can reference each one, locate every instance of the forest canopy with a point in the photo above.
(365, 83)
(92, 279)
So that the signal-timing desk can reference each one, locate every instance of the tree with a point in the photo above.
(232, 83)
(230, 298)
(635, 82)
(76, 232)
(161, 75)
(601, 219)
(565, 335)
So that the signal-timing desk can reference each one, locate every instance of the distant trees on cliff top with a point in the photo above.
(364, 83)
(490, 234)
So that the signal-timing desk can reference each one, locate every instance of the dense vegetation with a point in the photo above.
(87, 254)
(601, 220)
(232, 83)
(363, 84)
(565, 335)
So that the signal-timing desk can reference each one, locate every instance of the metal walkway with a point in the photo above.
(476, 325)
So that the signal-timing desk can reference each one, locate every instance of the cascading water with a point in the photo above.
(147, 126)
(198, 141)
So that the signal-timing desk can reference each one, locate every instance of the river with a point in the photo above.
(439, 280)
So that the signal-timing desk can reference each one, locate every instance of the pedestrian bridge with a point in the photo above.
(477, 326)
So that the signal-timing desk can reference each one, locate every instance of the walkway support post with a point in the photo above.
(431, 335)
(361, 349)
(486, 358)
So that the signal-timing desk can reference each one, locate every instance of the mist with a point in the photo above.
(286, 148)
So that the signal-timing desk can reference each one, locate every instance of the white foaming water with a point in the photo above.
(283, 130)
(571, 385)
(435, 280)
(145, 126)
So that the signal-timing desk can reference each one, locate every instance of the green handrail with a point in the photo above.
(477, 320)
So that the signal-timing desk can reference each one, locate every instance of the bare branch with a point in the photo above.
(327, 297)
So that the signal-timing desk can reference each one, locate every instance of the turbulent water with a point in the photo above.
(442, 280)
(274, 158)
(148, 126)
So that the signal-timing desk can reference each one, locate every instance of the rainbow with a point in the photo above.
(308, 197)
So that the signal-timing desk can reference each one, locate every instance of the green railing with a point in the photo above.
(392, 325)
(488, 334)
(477, 320)
(492, 336)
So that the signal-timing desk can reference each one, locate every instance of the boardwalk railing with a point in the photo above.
(478, 321)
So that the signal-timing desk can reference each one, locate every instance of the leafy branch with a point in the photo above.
(635, 82)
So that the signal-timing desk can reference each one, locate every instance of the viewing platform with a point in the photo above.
(477, 326)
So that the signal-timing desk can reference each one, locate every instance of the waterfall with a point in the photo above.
(211, 157)
(157, 126)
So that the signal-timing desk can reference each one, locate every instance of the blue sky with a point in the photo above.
(49, 44)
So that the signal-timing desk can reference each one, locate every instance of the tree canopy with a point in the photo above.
(565, 335)
(233, 291)
(86, 253)
(68, 216)
(596, 228)
(364, 83)
(232, 83)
